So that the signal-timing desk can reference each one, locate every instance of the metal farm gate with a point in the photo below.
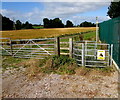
(28, 48)
(86, 54)
(5, 46)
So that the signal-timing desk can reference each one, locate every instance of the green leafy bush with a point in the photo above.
(59, 65)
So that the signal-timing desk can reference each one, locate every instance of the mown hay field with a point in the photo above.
(43, 33)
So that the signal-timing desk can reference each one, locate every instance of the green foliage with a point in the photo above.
(69, 24)
(59, 65)
(52, 64)
(87, 24)
(37, 27)
(66, 69)
(27, 25)
(46, 70)
(100, 69)
(7, 24)
(85, 36)
(106, 69)
(55, 23)
(46, 22)
(58, 61)
(114, 9)
(8, 61)
(64, 40)
(18, 25)
(89, 36)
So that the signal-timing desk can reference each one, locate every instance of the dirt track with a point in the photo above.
(92, 85)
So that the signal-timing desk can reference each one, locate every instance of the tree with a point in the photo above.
(57, 23)
(114, 9)
(46, 22)
(69, 24)
(87, 24)
(27, 25)
(53, 23)
(7, 24)
(18, 25)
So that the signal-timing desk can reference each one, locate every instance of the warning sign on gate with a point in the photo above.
(100, 54)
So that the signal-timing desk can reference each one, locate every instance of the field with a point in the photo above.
(38, 27)
(43, 33)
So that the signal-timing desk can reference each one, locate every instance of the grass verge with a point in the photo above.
(58, 65)
(11, 62)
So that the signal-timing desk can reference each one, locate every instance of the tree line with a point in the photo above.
(57, 23)
(19, 25)
(8, 24)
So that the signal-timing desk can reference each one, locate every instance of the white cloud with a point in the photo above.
(11, 14)
(79, 19)
(63, 10)
(68, 9)
(7, 12)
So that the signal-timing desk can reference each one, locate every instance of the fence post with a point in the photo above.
(83, 54)
(86, 47)
(57, 46)
(11, 49)
(111, 53)
(70, 47)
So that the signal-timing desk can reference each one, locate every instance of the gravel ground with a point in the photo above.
(16, 84)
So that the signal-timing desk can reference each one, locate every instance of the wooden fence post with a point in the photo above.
(57, 46)
(70, 47)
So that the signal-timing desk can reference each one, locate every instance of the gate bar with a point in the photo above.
(83, 54)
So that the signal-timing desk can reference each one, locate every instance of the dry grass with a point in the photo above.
(43, 33)
(32, 67)
(84, 71)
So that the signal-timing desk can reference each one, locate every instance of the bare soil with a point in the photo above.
(17, 84)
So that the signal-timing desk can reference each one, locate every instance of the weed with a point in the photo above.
(106, 69)
(53, 64)
(59, 65)
(8, 61)
(81, 37)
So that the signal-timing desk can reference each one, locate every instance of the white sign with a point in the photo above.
(100, 54)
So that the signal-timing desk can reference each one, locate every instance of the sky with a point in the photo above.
(34, 12)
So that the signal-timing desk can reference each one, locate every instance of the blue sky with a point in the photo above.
(34, 12)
